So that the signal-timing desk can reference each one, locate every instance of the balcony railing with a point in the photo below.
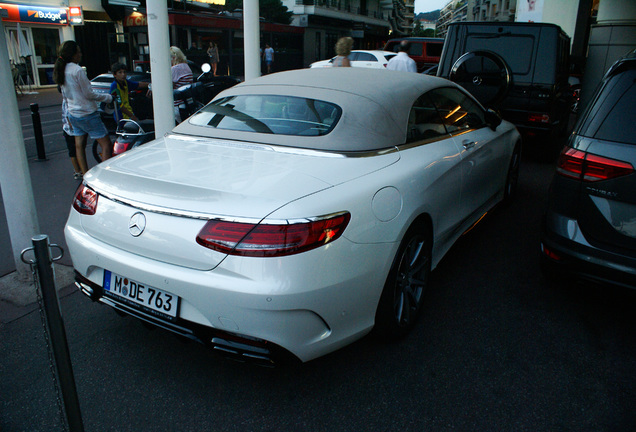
(342, 6)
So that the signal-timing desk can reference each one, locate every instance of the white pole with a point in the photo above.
(159, 41)
(15, 181)
(252, 39)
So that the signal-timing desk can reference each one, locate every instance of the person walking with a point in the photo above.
(343, 49)
(181, 75)
(268, 56)
(402, 61)
(82, 114)
(213, 53)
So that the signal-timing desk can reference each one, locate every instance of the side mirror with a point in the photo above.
(492, 119)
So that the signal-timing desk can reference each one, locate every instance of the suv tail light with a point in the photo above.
(584, 166)
(270, 240)
(85, 200)
(538, 118)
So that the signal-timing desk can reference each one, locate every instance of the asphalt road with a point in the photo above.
(51, 122)
(497, 349)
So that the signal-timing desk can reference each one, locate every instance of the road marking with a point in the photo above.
(45, 135)
(43, 123)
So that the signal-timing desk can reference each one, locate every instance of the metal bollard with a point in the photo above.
(37, 131)
(57, 333)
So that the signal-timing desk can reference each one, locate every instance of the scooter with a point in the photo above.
(193, 95)
(130, 134)
(190, 94)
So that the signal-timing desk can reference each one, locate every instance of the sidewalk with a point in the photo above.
(53, 188)
(45, 97)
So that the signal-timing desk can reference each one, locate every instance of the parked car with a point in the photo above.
(589, 229)
(361, 58)
(142, 104)
(520, 69)
(425, 51)
(294, 213)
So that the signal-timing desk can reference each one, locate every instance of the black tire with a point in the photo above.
(483, 74)
(97, 151)
(512, 178)
(403, 293)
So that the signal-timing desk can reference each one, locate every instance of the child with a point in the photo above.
(119, 89)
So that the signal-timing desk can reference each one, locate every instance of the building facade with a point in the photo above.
(325, 21)
(475, 10)
(116, 31)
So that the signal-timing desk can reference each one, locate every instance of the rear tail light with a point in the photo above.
(85, 200)
(121, 147)
(538, 118)
(589, 167)
(270, 240)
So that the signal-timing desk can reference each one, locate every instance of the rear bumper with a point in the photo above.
(228, 344)
(261, 309)
(566, 250)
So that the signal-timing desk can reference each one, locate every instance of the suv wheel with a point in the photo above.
(484, 74)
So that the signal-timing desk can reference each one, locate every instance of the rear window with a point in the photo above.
(362, 56)
(515, 49)
(391, 46)
(434, 49)
(415, 49)
(271, 114)
(614, 110)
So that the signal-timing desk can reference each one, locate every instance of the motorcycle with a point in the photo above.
(130, 134)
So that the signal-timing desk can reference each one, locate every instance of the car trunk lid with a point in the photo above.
(179, 183)
(607, 212)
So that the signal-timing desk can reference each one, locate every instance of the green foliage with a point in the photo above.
(271, 10)
(418, 31)
(430, 33)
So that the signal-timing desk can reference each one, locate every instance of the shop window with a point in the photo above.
(45, 44)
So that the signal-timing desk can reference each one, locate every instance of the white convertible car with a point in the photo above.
(359, 58)
(294, 213)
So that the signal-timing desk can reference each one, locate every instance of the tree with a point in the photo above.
(429, 32)
(271, 10)
(417, 29)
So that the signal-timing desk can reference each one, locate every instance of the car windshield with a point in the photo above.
(271, 114)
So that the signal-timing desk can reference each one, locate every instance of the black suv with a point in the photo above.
(590, 224)
(519, 69)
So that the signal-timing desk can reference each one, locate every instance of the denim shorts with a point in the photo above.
(91, 124)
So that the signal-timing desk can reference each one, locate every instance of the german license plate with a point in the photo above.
(149, 299)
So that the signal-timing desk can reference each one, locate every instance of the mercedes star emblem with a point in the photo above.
(137, 224)
(477, 80)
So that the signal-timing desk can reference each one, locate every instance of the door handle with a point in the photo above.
(468, 144)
